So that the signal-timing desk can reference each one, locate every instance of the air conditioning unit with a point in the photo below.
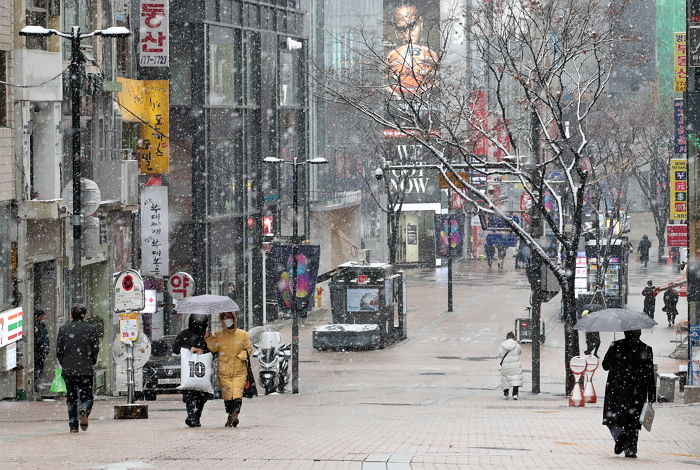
(129, 182)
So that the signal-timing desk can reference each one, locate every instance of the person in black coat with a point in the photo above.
(643, 250)
(630, 383)
(490, 251)
(649, 294)
(77, 347)
(670, 305)
(41, 345)
(192, 338)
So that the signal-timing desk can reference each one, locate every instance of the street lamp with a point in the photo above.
(76, 72)
(295, 253)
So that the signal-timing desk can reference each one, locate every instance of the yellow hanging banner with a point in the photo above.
(147, 102)
(680, 76)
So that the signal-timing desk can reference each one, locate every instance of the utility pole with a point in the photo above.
(535, 264)
(449, 249)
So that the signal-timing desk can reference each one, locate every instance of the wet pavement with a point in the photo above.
(430, 402)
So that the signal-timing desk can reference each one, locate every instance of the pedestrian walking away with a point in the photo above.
(192, 338)
(511, 370)
(77, 346)
(592, 339)
(630, 384)
(490, 251)
(502, 250)
(233, 347)
(643, 250)
(670, 305)
(41, 346)
(650, 292)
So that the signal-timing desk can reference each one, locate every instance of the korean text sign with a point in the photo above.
(680, 140)
(154, 41)
(679, 63)
(154, 231)
(128, 326)
(679, 188)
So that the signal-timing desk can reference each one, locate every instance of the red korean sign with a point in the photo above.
(677, 235)
(154, 40)
(526, 206)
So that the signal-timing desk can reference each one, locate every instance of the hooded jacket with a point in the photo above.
(511, 369)
(233, 346)
(192, 337)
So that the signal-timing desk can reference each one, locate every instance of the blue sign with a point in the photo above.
(502, 239)
(694, 364)
(680, 140)
(497, 222)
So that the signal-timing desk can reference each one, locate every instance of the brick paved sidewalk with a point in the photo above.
(431, 402)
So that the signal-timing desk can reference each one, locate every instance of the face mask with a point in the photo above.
(228, 322)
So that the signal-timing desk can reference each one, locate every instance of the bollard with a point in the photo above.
(589, 395)
(577, 367)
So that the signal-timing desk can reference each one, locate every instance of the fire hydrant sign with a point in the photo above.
(128, 292)
(128, 326)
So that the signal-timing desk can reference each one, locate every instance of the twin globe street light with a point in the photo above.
(295, 253)
(76, 72)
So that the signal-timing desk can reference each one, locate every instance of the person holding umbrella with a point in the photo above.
(630, 366)
(234, 347)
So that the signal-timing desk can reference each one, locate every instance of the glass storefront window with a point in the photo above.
(221, 67)
(181, 73)
(5, 260)
(224, 160)
(290, 90)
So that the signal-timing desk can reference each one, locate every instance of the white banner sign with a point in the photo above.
(153, 34)
(154, 231)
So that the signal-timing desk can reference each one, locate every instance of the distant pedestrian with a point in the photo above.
(41, 346)
(511, 370)
(77, 347)
(643, 250)
(192, 338)
(502, 251)
(490, 251)
(630, 383)
(234, 348)
(649, 293)
(670, 305)
(519, 256)
(592, 339)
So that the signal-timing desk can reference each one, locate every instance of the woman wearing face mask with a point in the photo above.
(233, 346)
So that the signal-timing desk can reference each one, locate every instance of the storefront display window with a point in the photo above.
(221, 66)
(5, 261)
(225, 157)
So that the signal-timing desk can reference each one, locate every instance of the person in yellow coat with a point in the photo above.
(233, 347)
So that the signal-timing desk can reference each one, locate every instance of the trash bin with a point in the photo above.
(682, 377)
(667, 387)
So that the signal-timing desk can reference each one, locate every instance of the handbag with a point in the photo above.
(647, 416)
(58, 384)
(250, 390)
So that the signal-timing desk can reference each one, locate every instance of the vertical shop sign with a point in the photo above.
(154, 231)
(679, 188)
(308, 259)
(480, 121)
(154, 38)
(679, 63)
(449, 233)
(680, 140)
(694, 363)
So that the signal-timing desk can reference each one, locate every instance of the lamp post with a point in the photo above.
(295, 253)
(76, 71)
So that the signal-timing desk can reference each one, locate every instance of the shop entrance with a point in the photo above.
(44, 280)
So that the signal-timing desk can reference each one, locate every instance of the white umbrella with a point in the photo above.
(615, 319)
(207, 304)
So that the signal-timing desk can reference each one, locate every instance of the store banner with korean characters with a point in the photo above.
(146, 102)
(449, 233)
(679, 63)
(281, 261)
(155, 245)
(680, 140)
(679, 188)
(154, 40)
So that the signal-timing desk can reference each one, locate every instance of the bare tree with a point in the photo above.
(544, 66)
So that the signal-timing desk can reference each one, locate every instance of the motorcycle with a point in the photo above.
(274, 357)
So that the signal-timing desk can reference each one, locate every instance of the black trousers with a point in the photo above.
(631, 437)
(515, 391)
(194, 403)
(79, 397)
(233, 405)
(38, 370)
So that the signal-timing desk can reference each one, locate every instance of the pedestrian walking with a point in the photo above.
(77, 347)
(650, 292)
(234, 348)
(630, 383)
(192, 338)
(41, 346)
(519, 256)
(490, 251)
(592, 339)
(670, 305)
(643, 250)
(502, 250)
(511, 370)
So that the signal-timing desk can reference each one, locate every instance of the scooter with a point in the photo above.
(274, 357)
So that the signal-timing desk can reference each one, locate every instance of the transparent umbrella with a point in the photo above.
(615, 319)
(207, 304)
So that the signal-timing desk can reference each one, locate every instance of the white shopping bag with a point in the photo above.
(195, 371)
(647, 416)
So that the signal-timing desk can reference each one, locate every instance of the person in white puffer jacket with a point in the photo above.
(511, 370)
